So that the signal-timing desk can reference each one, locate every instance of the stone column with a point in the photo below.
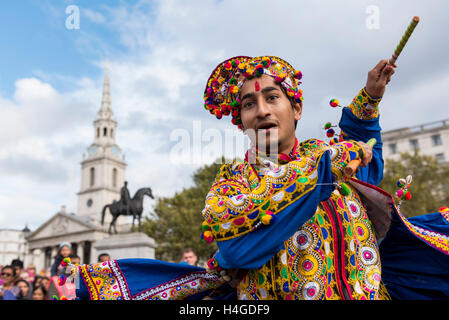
(80, 252)
(93, 253)
(54, 253)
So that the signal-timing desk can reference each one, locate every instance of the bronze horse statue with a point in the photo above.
(134, 208)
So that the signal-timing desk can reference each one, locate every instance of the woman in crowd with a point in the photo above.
(39, 293)
(9, 290)
(25, 290)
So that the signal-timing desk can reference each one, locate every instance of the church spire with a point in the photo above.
(105, 111)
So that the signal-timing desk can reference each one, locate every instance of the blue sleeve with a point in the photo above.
(363, 130)
(257, 247)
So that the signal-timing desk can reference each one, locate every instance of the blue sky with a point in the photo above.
(34, 39)
(160, 53)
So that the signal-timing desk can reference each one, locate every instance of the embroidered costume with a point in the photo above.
(285, 224)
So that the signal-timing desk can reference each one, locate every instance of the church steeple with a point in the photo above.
(105, 124)
(103, 170)
(105, 111)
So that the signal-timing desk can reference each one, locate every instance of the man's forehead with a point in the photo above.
(258, 84)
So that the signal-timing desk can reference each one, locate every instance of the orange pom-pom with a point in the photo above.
(234, 89)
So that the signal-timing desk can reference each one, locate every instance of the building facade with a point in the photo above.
(13, 245)
(429, 138)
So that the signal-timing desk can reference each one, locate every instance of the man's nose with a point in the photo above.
(263, 109)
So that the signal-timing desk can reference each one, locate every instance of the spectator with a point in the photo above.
(9, 290)
(39, 293)
(18, 268)
(37, 281)
(104, 257)
(31, 272)
(189, 257)
(75, 259)
(26, 291)
(45, 282)
(65, 250)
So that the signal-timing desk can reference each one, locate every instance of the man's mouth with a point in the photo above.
(267, 126)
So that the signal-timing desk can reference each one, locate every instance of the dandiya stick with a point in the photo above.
(404, 40)
(354, 164)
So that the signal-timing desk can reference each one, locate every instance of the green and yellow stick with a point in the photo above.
(404, 40)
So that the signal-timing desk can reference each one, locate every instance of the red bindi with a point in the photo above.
(256, 86)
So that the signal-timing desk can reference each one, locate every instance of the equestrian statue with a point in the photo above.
(126, 206)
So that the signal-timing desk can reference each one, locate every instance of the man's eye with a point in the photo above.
(248, 105)
(273, 97)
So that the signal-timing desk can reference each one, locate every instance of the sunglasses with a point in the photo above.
(6, 274)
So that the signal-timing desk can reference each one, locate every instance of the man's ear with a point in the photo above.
(297, 109)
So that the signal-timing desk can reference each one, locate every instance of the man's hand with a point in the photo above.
(368, 154)
(378, 78)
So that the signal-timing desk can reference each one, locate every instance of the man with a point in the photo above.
(189, 257)
(279, 217)
(17, 264)
(288, 223)
(104, 257)
(125, 198)
(75, 259)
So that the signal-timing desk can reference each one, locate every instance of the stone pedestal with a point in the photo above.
(127, 246)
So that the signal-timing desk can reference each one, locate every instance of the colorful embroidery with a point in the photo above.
(182, 288)
(364, 107)
(306, 268)
(432, 238)
(315, 263)
(238, 198)
(105, 281)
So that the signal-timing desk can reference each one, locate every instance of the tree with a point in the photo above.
(176, 221)
(430, 185)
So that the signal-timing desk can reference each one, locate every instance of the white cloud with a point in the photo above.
(93, 16)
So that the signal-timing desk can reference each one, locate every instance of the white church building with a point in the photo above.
(102, 176)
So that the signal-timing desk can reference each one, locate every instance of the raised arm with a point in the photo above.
(360, 120)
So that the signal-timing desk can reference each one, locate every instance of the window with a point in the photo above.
(92, 177)
(112, 133)
(436, 140)
(98, 132)
(414, 144)
(105, 132)
(392, 147)
(114, 177)
(440, 157)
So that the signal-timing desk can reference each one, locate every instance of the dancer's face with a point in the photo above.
(268, 114)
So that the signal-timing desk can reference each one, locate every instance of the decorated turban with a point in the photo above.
(221, 96)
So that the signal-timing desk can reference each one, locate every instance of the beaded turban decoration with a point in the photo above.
(222, 93)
